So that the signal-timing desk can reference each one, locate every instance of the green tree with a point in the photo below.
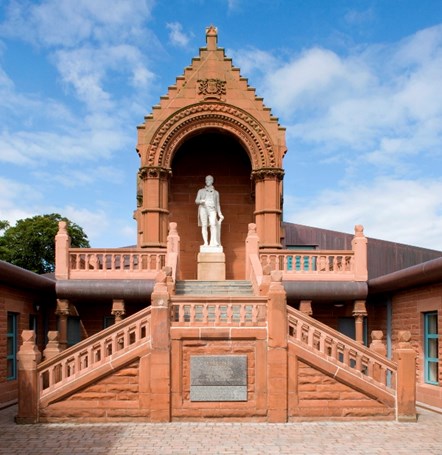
(30, 244)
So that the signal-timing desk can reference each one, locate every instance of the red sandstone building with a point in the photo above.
(286, 323)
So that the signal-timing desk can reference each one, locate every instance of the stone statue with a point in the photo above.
(209, 213)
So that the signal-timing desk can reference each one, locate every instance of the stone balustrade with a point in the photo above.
(313, 265)
(328, 343)
(100, 350)
(234, 312)
(92, 263)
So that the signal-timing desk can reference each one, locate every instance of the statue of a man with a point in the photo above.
(208, 209)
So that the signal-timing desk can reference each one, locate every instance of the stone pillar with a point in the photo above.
(277, 355)
(305, 306)
(118, 310)
(62, 245)
(359, 247)
(268, 183)
(28, 358)
(252, 247)
(160, 378)
(405, 357)
(359, 312)
(62, 312)
(153, 215)
(53, 347)
(173, 251)
(378, 346)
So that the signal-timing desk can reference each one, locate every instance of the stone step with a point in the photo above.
(228, 287)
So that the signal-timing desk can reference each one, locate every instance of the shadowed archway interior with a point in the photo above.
(222, 156)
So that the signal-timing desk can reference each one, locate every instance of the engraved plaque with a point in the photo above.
(218, 378)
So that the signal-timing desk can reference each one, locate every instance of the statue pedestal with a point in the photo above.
(211, 264)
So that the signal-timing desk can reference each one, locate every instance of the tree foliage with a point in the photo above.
(30, 244)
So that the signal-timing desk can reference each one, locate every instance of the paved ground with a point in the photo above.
(362, 438)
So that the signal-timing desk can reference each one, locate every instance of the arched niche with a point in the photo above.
(218, 153)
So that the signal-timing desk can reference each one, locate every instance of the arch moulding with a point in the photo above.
(183, 123)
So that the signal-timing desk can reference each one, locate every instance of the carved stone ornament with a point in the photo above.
(211, 88)
(153, 172)
(264, 173)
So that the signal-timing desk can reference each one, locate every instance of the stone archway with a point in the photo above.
(221, 155)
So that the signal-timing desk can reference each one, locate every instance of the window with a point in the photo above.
(431, 348)
(11, 350)
(108, 321)
(74, 330)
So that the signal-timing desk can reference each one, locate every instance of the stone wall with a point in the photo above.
(113, 398)
(408, 309)
(21, 303)
(317, 396)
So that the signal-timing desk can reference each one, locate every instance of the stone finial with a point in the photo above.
(377, 344)
(252, 229)
(211, 38)
(404, 338)
(276, 275)
(359, 230)
(53, 347)
(62, 227)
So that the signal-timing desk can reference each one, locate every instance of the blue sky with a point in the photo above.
(357, 84)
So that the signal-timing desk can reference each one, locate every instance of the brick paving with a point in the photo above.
(313, 438)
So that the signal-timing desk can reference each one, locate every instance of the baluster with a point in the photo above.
(334, 349)
(371, 369)
(358, 364)
(321, 346)
(205, 309)
(299, 328)
(192, 312)
(255, 313)
(310, 335)
(229, 313)
(242, 313)
(217, 314)
(346, 356)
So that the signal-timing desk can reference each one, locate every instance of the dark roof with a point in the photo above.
(14, 276)
(383, 257)
(421, 274)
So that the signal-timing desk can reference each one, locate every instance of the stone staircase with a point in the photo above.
(231, 288)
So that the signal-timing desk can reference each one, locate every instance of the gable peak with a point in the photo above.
(212, 38)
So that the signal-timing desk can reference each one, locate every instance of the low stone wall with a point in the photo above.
(318, 396)
(113, 398)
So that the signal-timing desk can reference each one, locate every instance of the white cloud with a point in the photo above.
(70, 22)
(176, 34)
(404, 211)
(17, 200)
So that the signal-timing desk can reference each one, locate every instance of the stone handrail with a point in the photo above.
(119, 263)
(330, 265)
(98, 350)
(340, 349)
(232, 311)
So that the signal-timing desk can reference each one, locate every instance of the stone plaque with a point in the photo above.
(218, 378)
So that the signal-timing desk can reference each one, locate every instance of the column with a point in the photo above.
(153, 218)
(359, 312)
(28, 358)
(277, 356)
(160, 381)
(62, 312)
(268, 208)
(405, 356)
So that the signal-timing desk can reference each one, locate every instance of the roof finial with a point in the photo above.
(211, 38)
